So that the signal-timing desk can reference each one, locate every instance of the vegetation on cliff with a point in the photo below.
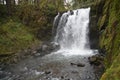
(109, 26)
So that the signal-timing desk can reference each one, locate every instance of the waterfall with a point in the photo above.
(72, 32)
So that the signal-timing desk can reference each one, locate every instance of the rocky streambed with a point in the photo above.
(54, 67)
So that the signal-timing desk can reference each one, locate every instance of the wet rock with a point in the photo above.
(37, 54)
(88, 77)
(74, 72)
(34, 52)
(9, 73)
(62, 77)
(44, 47)
(78, 64)
(15, 60)
(1, 72)
(3, 75)
(71, 12)
(47, 48)
(72, 64)
(96, 59)
(48, 72)
(92, 59)
(37, 72)
(54, 46)
(55, 78)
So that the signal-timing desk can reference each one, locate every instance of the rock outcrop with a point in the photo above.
(108, 13)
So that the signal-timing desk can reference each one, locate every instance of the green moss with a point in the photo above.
(113, 73)
(102, 22)
(110, 40)
(13, 37)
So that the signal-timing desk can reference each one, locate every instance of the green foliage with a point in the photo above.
(3, 11)
(113, 73)
(39, 17)
(13, 37)
(82, 3)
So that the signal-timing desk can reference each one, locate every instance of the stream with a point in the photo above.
(51, 67)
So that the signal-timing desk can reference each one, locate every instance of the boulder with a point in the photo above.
(92, 59)
(96, 59)
(54, 46)
(50, 47)
(47, 48)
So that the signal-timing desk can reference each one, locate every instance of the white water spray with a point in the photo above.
(72, 33)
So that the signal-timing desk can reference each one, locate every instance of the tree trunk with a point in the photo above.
(37, 2)
(0, 1)
(8, 4)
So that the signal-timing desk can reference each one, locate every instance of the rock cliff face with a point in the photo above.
(105, 30)
(108, 14)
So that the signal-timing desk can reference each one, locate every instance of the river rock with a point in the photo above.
(92, 59)
(37, 54)
(72, 64)
(96, 59)
(44, 47)
(34, 52)
(15, 60)
(48, 47)
(62, 77)
(88, 77)
(47, 72)
(78, 64)
(54, 46)
(71, 12)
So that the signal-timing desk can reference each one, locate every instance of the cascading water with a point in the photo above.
(72, 32)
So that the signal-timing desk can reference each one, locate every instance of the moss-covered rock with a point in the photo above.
(109, 26)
